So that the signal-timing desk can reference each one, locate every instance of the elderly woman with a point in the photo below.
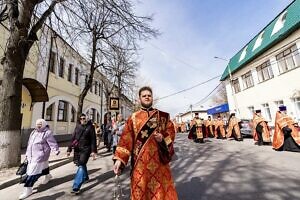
(41, 142)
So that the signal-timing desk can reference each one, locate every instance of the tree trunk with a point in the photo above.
(10, 103)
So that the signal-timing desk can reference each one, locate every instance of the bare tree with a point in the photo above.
(123, 68)
(107, 28)
(220, 95)
(23, 24)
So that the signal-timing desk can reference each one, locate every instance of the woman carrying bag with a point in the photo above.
(41, 142)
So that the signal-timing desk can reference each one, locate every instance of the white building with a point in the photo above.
(266, 72)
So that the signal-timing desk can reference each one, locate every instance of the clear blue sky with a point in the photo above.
(193, 32)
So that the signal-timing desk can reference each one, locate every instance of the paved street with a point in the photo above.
(216, 170)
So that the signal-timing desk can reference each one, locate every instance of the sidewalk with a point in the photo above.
(8, 176)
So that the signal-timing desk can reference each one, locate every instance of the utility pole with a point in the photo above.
(53, 35)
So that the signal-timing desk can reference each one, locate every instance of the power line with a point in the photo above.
(181, 91)
(174, 57)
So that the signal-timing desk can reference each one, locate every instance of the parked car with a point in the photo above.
(246, 127)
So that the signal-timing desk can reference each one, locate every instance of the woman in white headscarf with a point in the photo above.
(41, 142)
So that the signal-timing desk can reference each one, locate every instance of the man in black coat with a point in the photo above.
(84, 145)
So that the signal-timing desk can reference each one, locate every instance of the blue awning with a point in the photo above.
(218, 109)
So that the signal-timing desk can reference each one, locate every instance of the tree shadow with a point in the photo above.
(58, 181)
(213, 171)
(57, 160)
(51, 197)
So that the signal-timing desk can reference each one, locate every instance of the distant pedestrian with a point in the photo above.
(286, 135)
(84, 145)
(98, 133)
(41, 142)
(117, 131)
(107, 127)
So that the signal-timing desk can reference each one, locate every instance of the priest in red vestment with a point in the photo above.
(148, 138)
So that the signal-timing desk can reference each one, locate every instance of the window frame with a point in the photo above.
(70, 72)
(248, 80)
(263, 69)
(61, 67)
(64, 111)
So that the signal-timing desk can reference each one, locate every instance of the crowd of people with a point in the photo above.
(146, 138)
(286, 135)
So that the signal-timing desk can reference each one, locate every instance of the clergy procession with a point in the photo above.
(284, 137)
(149, 100)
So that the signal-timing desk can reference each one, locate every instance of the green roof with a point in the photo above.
(291, 24)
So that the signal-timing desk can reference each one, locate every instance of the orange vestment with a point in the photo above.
(281, 121)
(234, 125)
(219, 124)
(209, 127)
(198, 123)
(266, 130)
(150, 178)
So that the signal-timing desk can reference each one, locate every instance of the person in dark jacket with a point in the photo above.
(84, 145)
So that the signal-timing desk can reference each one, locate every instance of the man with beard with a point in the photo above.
(261, 130)
(286, 135)
(148, 138)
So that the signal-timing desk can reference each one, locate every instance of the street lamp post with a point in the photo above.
(230, 82)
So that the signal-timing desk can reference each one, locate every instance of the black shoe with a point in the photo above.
(75, 191)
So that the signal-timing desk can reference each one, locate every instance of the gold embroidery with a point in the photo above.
(168, 140)
(152, 149)
(123, 150)
(153, 184)
(134, 124)
(152, 166)
(145, 133)
(152, 123)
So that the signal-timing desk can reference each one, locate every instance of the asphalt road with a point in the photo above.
(215, 170)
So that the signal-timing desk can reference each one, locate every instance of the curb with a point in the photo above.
(16, 179)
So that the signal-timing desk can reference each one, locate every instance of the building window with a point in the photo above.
(61, 67)
(267, 111)
(288, 59)
(76, 76)
(70, 70)
(236, 85)
(279, 23)
(297, 106)
(98, 118)
(279, 103)
(99, 89)
(247, 80)
(49, 112)
(264, 71)
(52, 62)
(73, 114)
(96, 87)
(258, 40)
(62, 111)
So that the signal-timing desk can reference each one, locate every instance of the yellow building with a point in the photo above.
(54, 76)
